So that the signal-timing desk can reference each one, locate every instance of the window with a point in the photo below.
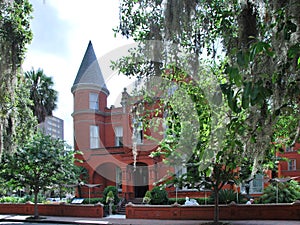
(94, 103)
(292, 164)
(119, 178)
(118, 136)
(289, 149)
(94, 137)
(138, 131)
(255, 186)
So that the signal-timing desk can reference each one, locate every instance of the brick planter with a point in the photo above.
(53, 210)
(227, 212)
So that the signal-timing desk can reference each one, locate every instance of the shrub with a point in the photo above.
(226, 196)
(287, 192)
(110, 197)
(114, 190)
(147, 198)
(159, 196)
(92, 201)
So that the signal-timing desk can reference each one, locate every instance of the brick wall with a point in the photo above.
(227, 212)
(53, 210)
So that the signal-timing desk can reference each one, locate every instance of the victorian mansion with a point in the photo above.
(104, 136)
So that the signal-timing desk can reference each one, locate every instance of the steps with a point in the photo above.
(121, 210)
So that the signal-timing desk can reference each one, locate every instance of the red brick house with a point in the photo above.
(291, 166)
(105, 135)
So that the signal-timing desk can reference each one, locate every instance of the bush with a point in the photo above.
(147, 198)
(287, 192)
(226, 196)
(159, 196)
(15, 199)
(92, 201)
(114, 190)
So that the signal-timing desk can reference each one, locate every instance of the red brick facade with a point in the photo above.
(110, 162)
(104, 135)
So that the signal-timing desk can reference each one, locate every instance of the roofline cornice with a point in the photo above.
(88, 86)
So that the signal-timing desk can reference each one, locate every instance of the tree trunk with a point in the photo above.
(36, 210)
(216, 207)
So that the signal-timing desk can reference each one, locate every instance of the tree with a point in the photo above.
(41, 163)
(42, 94)
(15, 34)
(254, 49)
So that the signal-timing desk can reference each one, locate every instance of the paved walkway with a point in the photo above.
(121, 220)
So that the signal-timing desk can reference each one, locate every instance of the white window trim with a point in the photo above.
(93, 101)
(292, 165)
(118, 136)
(94, 137)
(119, 178)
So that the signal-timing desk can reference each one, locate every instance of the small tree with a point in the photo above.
(147, 198)
(110, 200)
(41, 163)
(112, 189)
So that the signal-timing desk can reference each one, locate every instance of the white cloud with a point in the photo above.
(62, 30)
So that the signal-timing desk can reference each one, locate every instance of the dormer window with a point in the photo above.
(94, 101)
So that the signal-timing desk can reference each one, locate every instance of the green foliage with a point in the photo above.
(227, 196)
(257, 70)
(93, 201)
(287, 192)
(14, 199)
(42, 162)
(111, 191)
(15, 34)
(159, 196)
(110, 197)
(42, 94)
(147, 198)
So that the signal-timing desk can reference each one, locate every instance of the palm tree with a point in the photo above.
(42, 94)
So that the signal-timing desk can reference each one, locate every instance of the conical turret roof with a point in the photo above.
(89, 74)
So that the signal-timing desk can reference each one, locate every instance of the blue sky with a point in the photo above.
(62, 30)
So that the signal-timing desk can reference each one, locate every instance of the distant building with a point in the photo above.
(53, 126)
(290, 167)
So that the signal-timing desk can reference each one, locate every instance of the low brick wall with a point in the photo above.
(53, 210)
(227, 212)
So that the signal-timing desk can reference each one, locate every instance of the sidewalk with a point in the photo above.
(121, 220)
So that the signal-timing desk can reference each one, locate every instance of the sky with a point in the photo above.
(61, 33)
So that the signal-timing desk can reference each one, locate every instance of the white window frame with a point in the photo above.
(118, 178)
(256, 186)
(93, 101)
(119, 136)
(292, 164)
(94, 137)
(140, 133)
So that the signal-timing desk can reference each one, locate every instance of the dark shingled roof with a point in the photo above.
(89, 72)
